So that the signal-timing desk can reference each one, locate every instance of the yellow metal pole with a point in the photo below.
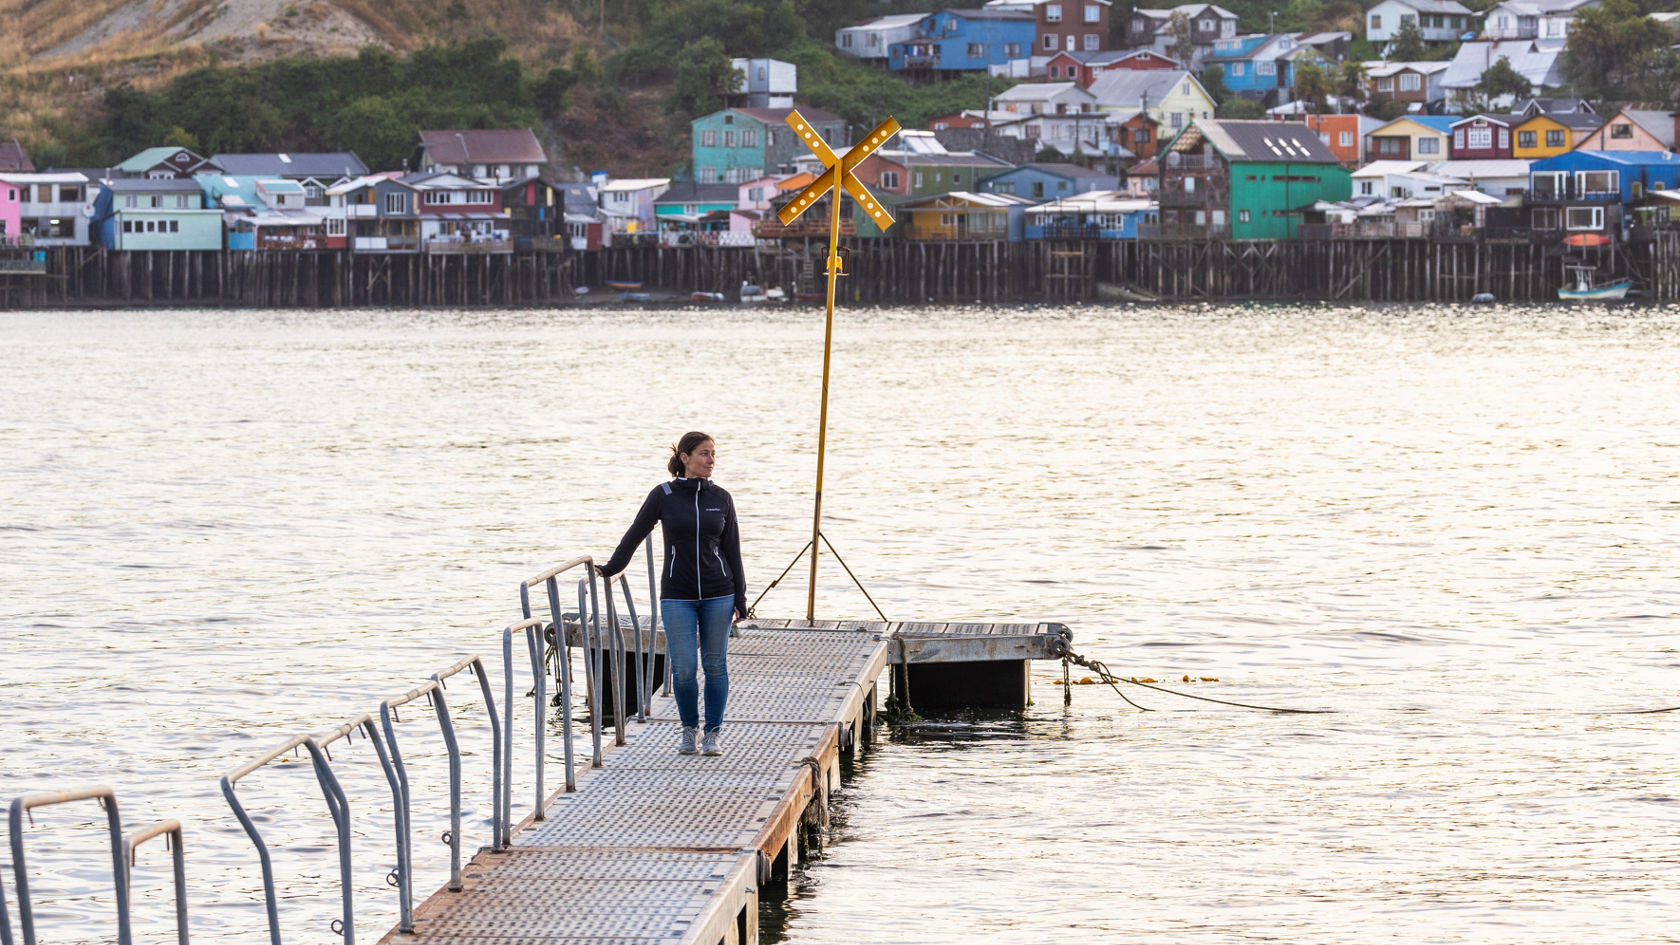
(822, 416)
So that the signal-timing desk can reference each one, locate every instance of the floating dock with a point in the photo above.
(656, 847)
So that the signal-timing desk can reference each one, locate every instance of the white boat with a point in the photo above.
(1586, 287)
(751, 294)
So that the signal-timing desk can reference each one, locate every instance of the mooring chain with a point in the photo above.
(1103, 672)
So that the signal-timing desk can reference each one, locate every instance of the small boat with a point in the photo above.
(1108, 291)
(634, 297)
(706, 297)
(625, 286)
(752, 294)
(1587, 287)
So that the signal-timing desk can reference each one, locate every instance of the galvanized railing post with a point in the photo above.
(529, 627)
(636, 637)
(448, 727)
(119, 873)
(171, 830)
(270, 897)
(539, 687)
(592, 668)
(653, 619)
(563, 670)
(616, 673)
(400, 813)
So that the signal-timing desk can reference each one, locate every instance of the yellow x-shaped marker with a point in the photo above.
(841, 166)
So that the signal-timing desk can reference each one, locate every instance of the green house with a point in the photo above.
(1246, 180)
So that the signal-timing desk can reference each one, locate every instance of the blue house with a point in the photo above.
(965, 41)
(737, 145)
(1102, 214)
(1048, 181)
(140, 213)
(1254, 66)
(1596, 191)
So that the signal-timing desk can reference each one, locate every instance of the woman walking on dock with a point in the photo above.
(703, 584)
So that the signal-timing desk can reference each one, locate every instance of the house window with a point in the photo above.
(1365, 187)
(1264, 67)
(1426, 216)
(1409, 82)
(889, 180)
(846, 41)
(1049, 40)
(1038, 188)
(1376, 21)
(131, 201)
(1597, 183)
(1385, 84)
(1003, 188)
(1012, 50)
(1090, 42)
(128, 226)
(151, 226)
(1429, 145)
(1177, 119)
(1054, 71)
(755, 194)
(1527, 139)
(1480, 138)
(729, 139)
(1554, 138)
(947, 219)
(396, 203)
(1583, 218)
(708, 138)
(155, 201)
(1621, 130)
(1140, 135)
(1208, 26)
(1242, 216)
(976, 51)
(1637, 188)
(1053, 12)
(335, 226)
(918, 180)
(1237, 68)
(749, 137)
(1389, 145)
(1093, 13)
(1345, 139)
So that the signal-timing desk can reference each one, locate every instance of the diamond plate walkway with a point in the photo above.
(656, 847)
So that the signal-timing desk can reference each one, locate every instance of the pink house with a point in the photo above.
(11, 211)
(756, 194)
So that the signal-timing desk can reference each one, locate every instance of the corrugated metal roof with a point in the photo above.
(332, 164)
(483, 146)
(1266, 141)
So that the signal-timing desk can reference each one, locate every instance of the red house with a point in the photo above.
(1071, 25)
(1482, 137)
(972, 118)
(1084, 67)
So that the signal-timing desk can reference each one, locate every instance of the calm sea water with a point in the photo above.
(1456, 527)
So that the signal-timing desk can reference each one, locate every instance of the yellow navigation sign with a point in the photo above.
(841, 166)
(838, 177)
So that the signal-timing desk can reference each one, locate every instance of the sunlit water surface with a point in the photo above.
(1454, 527)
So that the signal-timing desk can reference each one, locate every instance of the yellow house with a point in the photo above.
(1545, 135)
(1411, 138)
(963, 215)
(1171, 97)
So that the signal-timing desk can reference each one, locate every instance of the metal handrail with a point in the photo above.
(26, 916)
(531, 625)
(531, 628)
(644, 678)
(433, 691)
(338, 806)
(171, 829)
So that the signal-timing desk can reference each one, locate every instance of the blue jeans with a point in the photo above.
(699, 627)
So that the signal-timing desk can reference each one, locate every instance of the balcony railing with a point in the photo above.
(1544, 192)
(469, 247)
(1173, 193)
(1191, 162)
(24, 263)
(291, 243)
(385, 244)
(1182, 231)
(1068, 231)
(773, 229)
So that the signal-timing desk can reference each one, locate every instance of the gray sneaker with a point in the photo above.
(709, 743)
(685, 744)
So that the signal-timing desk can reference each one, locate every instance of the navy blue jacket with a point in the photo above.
(702, 542)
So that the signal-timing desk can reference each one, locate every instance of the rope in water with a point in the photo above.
(1113, 681)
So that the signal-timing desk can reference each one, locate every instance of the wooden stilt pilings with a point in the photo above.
(883, 271)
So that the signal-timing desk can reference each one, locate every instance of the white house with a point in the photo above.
(765, 83)
(55, 208)
(627, 205)
(1437, 21)
(870, 40)
(1505, 177)
(1088, 133)
(1538, 61)
(1395, 180)
(1045, 98)
(1532, 19)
